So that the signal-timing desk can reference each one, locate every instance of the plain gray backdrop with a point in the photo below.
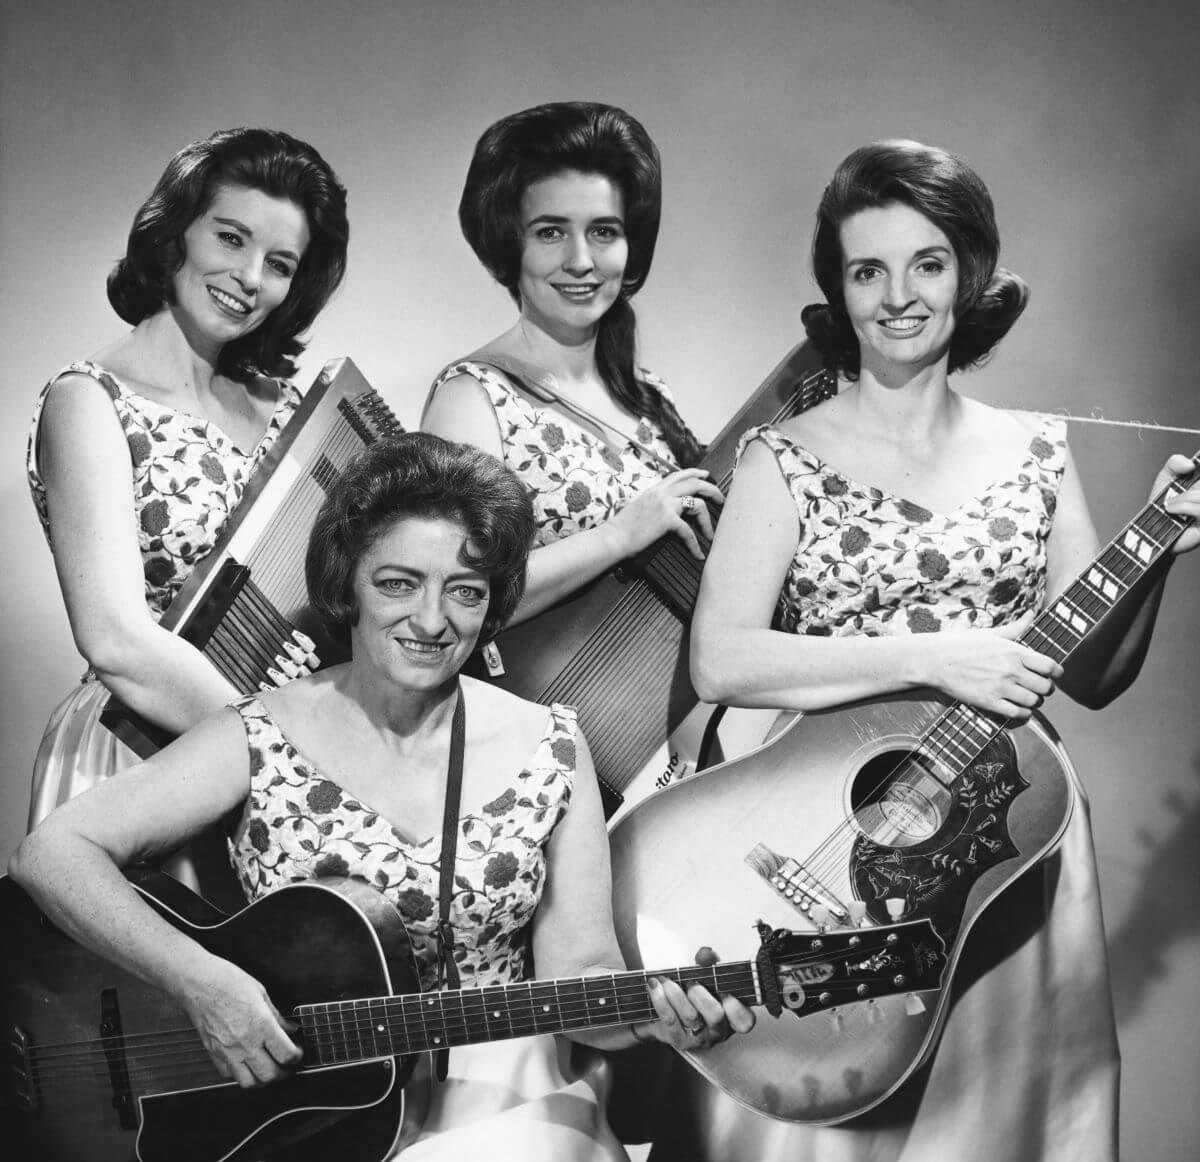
(1081, 115)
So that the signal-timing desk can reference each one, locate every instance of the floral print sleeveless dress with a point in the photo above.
(187, 478)
(576, 480)
(521, 1099)
(1027, 1066)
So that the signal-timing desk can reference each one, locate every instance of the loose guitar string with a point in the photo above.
(830, 855)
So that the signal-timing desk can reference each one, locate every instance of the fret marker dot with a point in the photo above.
(604, 1000)
(545, 1008)
(378, 1028)
(437, 1040)
(496, 1014)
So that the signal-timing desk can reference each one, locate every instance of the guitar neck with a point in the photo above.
(348, 1031)
(1062, 627)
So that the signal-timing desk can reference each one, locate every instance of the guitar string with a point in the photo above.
(627, 992)
(827, 858)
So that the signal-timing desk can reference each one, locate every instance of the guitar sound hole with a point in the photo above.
(897, 801)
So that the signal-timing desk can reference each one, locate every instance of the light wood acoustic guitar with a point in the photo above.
(102, 1067)
(901, 808)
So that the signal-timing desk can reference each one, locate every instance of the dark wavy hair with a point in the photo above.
(589, 138)
(952, 196)
(258, 159)
(420, 475)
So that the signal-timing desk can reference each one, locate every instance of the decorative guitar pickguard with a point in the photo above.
(935, 876)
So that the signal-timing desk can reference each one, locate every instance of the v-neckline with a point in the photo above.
(210, 425)
(314, 774)
(853, 483)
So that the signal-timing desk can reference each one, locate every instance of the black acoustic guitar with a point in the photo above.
(900, 808)
(100, 1066)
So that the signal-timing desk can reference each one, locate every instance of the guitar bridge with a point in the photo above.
(790, 880)
(113, 1039)
(21, 1071)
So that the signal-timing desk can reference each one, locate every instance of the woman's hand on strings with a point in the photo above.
(241, 1029)
(677, 504)
(1186, 504)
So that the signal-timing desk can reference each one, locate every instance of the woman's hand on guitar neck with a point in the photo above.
(988, 668)
(677, 504)
(694, 1019)
(1186, 504)
(240, 1028)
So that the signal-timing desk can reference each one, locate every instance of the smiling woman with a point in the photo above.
(138, 455)
(420, 547)
(901, 537)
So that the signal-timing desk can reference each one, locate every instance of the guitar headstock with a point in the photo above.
(855, 964)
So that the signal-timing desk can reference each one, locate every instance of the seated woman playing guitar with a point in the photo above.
(859, 541)
(420, 548)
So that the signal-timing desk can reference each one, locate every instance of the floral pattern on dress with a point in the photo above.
(297, 824)
(871, 563)
(187, 475)
(576, 480)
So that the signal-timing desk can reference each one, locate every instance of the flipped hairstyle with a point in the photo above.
(420, 475)
(589, 138)
(947, 191)
(259, 159)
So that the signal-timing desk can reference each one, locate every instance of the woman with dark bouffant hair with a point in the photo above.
(138, 455)
(562, 205)
(902, 536)
(418, 550)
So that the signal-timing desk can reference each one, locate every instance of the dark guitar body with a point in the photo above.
(681, 878)
(313, 942)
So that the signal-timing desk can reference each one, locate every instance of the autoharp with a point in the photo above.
(245, 606)
(617, 649)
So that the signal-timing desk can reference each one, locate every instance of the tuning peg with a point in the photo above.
(836, 1020)
(304, 641)
(276, 677)
(874, 1013)
(304, 658)
(288, 667)
(858, 913)
(819, 915)
(895, 906)
(913, 1005)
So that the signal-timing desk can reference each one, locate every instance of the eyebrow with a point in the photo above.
(250, 234)
(922, 253)
(560, 219)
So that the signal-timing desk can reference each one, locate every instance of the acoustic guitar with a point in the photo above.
(103, 1067)
(900, 808)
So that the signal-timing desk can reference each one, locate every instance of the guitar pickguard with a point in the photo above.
(934, 877)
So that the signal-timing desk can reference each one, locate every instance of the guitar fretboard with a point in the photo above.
(347, 1031)
(959, 735)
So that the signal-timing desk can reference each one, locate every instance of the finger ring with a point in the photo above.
(687, 504)
(697, 1029)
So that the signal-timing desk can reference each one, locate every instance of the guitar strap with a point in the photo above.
(447, 974)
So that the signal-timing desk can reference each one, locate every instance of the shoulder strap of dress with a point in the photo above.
(544, 388)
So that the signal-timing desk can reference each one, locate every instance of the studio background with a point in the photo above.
(1081, 116)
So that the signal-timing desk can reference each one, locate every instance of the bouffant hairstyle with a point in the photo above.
(952, 196)
(259, 159)
(590, 138)
(420, 475)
